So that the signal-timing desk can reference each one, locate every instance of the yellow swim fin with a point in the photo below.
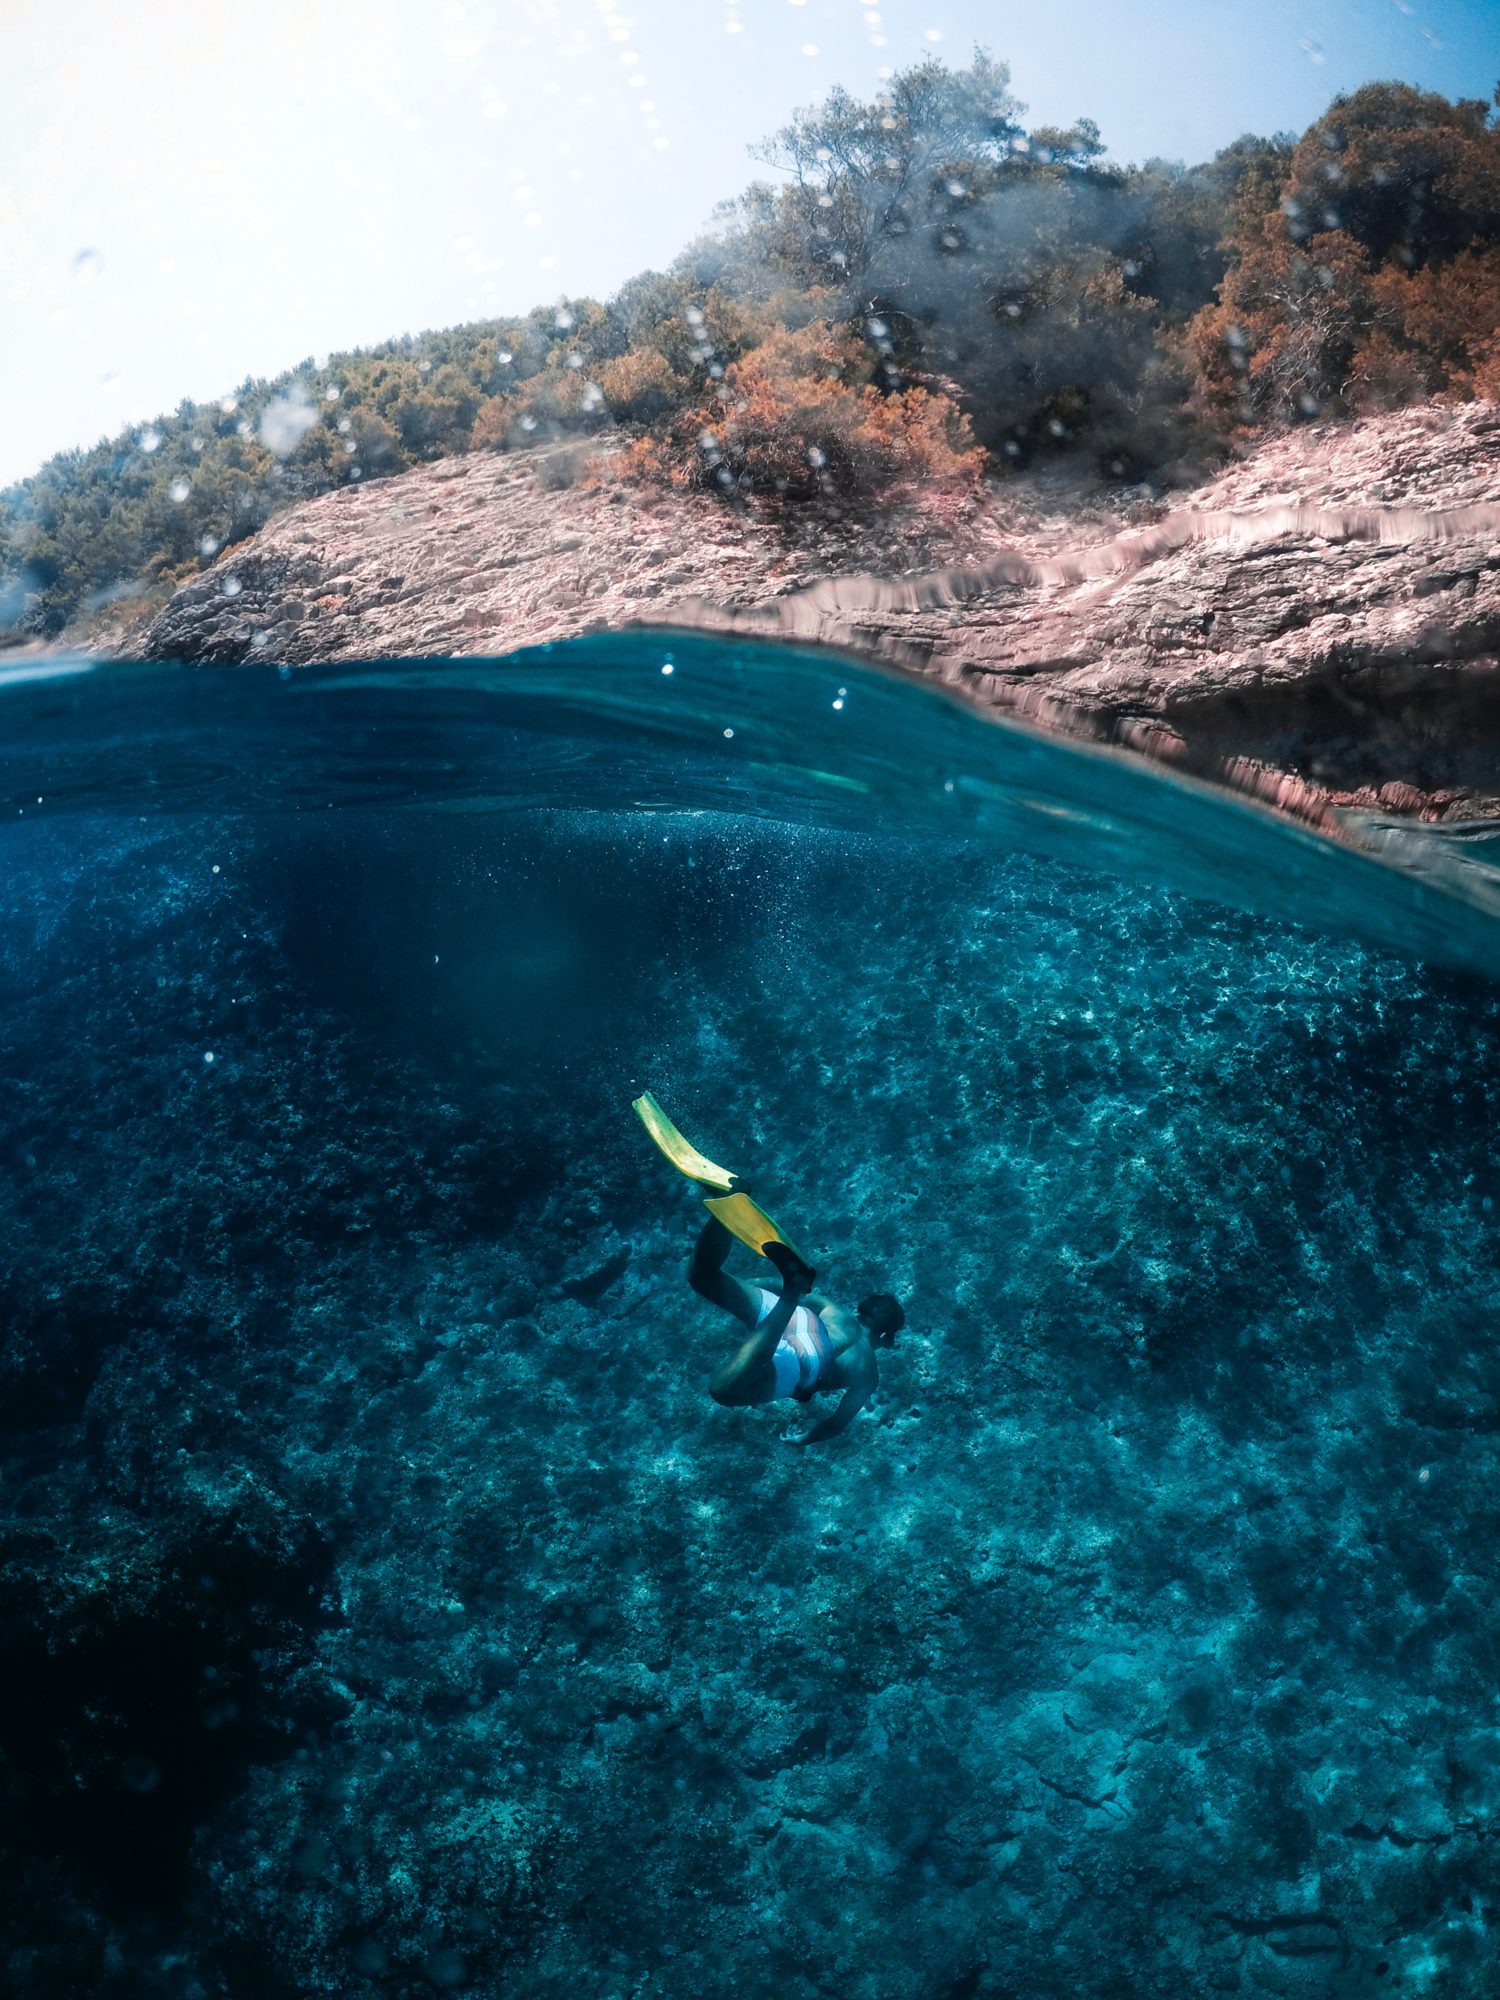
(741, 1216)
(684, 1156)
(747, 1220)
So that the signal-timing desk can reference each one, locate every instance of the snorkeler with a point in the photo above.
(800, 1345)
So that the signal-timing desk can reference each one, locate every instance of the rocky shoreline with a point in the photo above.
(1320, 624)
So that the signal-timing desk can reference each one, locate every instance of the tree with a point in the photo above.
(864, 174)
(1389, 184)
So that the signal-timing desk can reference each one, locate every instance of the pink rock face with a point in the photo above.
(1319, 625)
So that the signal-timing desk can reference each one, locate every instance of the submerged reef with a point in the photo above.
(386, 1610)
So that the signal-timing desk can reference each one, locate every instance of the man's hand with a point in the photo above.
(796, 1277)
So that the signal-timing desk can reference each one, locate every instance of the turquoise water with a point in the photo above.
(386, 1607)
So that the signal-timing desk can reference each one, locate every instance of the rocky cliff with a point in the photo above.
(1320, 624)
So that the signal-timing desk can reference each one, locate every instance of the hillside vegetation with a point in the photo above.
(927, 290)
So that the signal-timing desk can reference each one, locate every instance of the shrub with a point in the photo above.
(641, 386)
(789, 424)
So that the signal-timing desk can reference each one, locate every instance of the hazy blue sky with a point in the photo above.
(192, 193)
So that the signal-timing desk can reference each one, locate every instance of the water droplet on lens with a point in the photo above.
(231, 586)
(149, 440)
(88, 266)
(209, 546)
(179, 491)
(284, 422)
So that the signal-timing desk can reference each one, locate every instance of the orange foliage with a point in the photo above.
(1445, 322)
(1371, 274)
(641, 385)
(491, 428)
(1282, 343)
(789, 424)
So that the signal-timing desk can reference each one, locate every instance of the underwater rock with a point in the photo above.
(1320, 623)
(148, 1658)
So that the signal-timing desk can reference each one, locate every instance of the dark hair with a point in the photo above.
(882, 1317)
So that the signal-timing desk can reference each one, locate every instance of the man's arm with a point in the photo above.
(850, 1404)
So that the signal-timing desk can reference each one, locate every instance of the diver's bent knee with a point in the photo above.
(736, 1390)
(731, 1391)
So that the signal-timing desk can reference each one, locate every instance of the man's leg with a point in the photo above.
(750, 1376)
(709, 1279)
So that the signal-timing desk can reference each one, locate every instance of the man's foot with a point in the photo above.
(794, 1273)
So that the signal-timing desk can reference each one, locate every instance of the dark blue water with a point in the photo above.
(385, 1608)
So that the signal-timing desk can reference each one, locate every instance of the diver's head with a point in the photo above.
(882, 1318)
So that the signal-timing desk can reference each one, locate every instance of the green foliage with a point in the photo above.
(140, 511)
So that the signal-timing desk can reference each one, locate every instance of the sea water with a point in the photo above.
(385, 1607)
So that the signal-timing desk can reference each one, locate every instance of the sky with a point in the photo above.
(194, 194)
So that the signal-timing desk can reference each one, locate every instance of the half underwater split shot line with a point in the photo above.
(674, 720)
